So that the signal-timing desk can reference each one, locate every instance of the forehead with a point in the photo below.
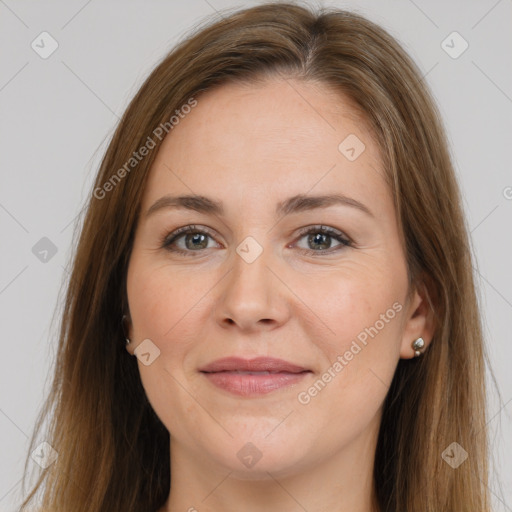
(280, 134)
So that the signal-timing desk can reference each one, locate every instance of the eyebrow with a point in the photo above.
(294, 204)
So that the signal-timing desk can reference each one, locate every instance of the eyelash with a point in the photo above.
(171, 238)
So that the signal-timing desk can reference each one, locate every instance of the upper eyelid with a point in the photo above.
(211, 231)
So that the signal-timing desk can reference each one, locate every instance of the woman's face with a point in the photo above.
(247, 281)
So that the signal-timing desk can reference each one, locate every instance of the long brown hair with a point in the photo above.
(113, 451)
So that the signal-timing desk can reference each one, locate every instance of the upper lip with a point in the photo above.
(259, 364)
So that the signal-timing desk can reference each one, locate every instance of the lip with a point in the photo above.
(226, 374)
(258, 364)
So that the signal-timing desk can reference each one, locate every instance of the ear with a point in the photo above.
(128, 333)
(418, 321)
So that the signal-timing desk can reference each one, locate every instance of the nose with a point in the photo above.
(253, 296)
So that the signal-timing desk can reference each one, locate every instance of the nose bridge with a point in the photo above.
(250, 269)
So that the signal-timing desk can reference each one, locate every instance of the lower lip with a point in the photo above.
(247, 385)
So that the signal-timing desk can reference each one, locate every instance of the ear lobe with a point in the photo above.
(418, 323)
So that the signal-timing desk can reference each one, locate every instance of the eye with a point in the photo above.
(320, 238)
(195, 239)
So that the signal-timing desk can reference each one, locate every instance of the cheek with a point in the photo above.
(355, 303)
(360, 358)
(161, 303)
(363, 310)
(159, 299)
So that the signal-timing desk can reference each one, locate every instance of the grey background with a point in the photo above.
(57, 115)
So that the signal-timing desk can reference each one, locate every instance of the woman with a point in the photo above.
(272, 304)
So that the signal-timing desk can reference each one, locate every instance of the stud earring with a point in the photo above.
(123, 323)
(417, 345)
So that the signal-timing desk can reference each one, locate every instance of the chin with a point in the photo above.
(279, 465)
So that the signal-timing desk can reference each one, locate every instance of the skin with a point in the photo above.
(251, 147)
